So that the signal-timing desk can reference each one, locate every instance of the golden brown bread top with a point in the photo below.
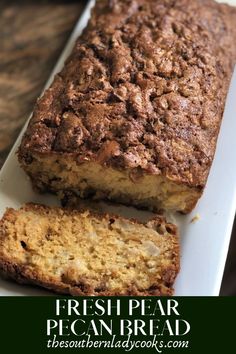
(82, 253)
(144, 88)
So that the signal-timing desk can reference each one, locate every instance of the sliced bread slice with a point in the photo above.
(83, 253)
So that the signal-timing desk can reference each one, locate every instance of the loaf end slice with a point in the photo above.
(81, 253)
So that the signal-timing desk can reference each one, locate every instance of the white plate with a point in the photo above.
(204, 244)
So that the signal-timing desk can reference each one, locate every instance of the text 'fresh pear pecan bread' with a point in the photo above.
(81, 253)
(135, 113)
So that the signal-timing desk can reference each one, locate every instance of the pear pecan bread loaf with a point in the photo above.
(135, 113)
(81, 253)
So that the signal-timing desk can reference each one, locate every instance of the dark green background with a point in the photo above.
(23, 325)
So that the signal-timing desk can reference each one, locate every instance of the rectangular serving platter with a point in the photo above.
(204, 243)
